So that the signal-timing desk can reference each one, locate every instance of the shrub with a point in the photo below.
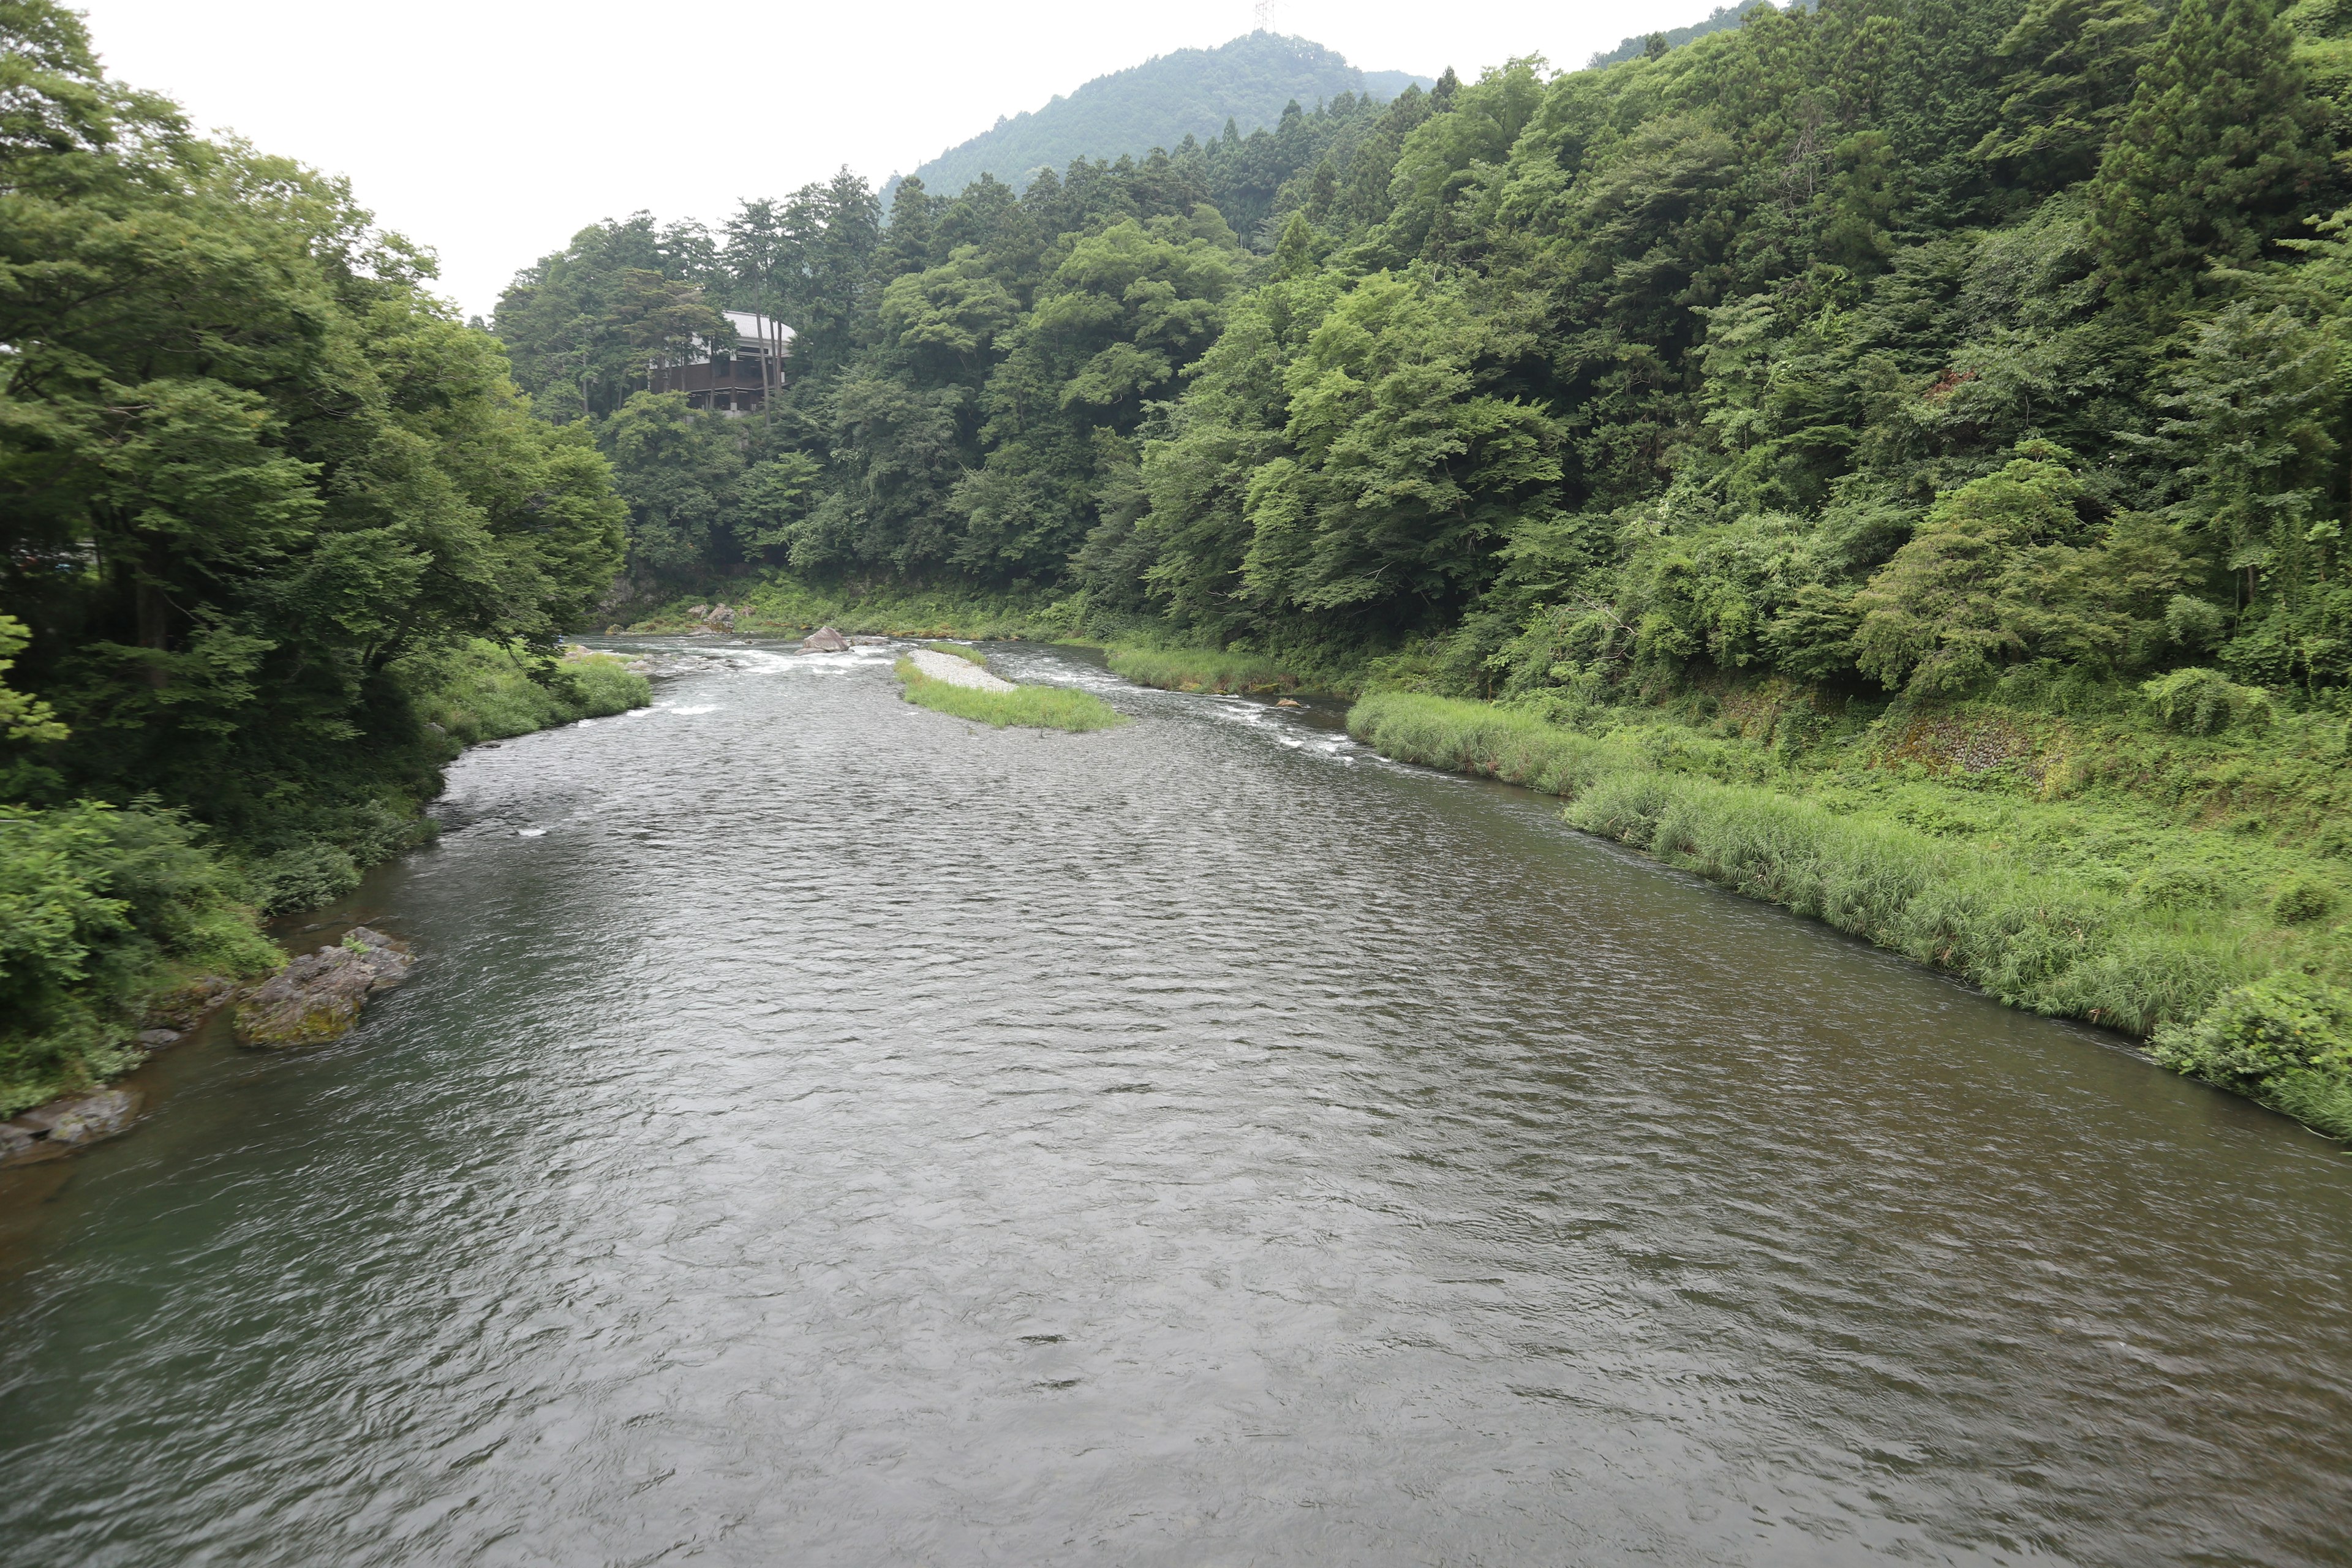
(305, 876)
(2285, 1023)
(2176, 887)
(2304, 899)
(101, 910)
(2198, 701)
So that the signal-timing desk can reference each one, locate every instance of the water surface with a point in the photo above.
(821, 1130)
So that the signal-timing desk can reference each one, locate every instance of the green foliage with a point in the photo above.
(490, 691)
(2304, 899)
(101, 912)
(1027, 707)
(22, 716)
(2199, 702)
(1186, 95)
(247, 462)
(250, 469)
(1203, 670)
(2004, 568)
(2282, 1024)
(2218, 149)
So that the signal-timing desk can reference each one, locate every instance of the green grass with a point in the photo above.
(1203, 669)
(2106, 908)
(1028, 707)
(960, 650)
(484, 691)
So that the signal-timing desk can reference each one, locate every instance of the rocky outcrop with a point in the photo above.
(318, 995)
(66, 1124)
(824, 639)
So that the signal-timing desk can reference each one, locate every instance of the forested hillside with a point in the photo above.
(266, 508)
(1721, 19)
(1888, 386)
(1192, 94)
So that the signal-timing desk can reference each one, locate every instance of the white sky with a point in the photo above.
(492, 130)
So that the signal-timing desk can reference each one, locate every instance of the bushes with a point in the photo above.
(484, 691)
(2285, 1038)
(101, 910)
(2304, 899)
(1203, 670)
(2205, 701)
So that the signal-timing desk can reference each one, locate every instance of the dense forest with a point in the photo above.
(1893, 345)
(264, 499)
(1190, 92)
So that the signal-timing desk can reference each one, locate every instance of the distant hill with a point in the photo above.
(1158, 104)
(1723, 17)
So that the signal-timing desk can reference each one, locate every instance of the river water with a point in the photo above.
(822, 1132)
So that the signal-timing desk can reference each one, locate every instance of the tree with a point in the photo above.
(2219, 145)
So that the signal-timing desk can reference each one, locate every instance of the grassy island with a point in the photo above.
(1024, 707)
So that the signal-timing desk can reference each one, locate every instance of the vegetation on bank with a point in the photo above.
(1205, 669)
(108, 914)
(278, 533)
(2194, 893)
(1025, 706)
(485, 691)
(780, 605)
(104, 913)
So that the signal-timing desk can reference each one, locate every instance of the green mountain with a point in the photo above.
(1721, 18)
(1192, 92)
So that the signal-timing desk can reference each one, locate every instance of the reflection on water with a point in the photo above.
(821, 1131)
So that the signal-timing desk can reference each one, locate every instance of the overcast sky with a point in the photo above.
(492, 130)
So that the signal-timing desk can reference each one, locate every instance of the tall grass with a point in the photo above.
(1028, 707)
(1203, 669)
(484, 691)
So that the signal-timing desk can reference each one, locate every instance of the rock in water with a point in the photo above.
(824, 639)
(67, 1123)
(318, 997)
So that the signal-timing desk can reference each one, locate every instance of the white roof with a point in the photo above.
(754, 328)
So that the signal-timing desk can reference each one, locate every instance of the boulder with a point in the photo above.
(156, 1039)
(722, 615)
(318, 997)
(1286, 702)
(68, 1123)
(699, 611)
(824, 639)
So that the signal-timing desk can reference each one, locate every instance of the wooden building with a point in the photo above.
(730, 381)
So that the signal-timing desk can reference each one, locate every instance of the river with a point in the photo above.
(821, 1131)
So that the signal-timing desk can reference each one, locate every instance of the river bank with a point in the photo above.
(147, 925)
(2220, 948)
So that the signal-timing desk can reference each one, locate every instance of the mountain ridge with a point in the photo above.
(1247, 80)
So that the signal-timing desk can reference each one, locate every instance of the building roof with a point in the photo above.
(754, 328)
